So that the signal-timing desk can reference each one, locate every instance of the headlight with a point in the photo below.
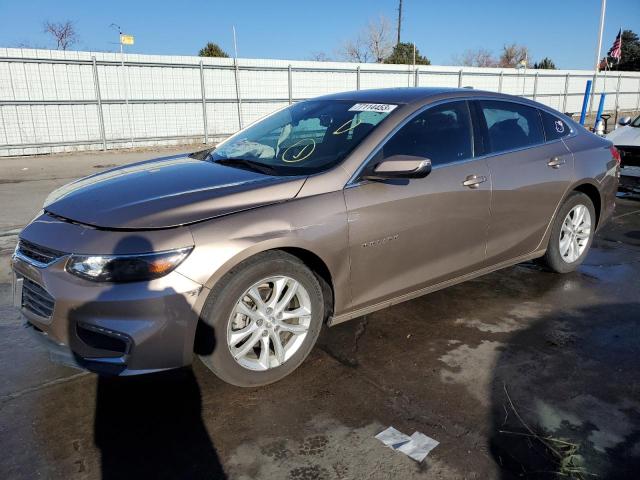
(126, 268)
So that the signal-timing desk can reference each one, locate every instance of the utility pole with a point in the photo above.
(399, 21)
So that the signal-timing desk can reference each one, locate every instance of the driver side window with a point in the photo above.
(441, 133)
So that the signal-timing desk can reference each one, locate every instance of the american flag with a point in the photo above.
(616, 49)
(604, 64)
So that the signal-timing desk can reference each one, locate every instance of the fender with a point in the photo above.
(297, 224)
(575, 186)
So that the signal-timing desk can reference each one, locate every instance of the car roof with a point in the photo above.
(402, 95)
(416, 96)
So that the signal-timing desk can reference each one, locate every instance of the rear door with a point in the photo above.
(530, 173)
(406, 234)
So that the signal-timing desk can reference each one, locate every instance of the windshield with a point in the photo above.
(303, 139)
(636, 122)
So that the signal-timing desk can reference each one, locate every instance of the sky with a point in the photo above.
(564, 30)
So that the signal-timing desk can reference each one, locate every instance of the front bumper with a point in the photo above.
(117, 329)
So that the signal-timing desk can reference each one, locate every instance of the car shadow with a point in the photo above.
(151, 426)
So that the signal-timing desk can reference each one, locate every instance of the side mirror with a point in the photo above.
(400, 166)
(624, 121)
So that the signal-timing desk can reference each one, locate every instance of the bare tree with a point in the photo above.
(373, 43)
(319, 57)
(378, 38)
(64, 33)
(513, 55)
(355, 50)
(476, 58)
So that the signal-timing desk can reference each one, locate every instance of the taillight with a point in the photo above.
(615, 153)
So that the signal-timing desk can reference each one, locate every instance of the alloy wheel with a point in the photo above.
(575, 233)
(269, 323)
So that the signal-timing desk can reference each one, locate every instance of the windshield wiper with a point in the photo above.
(201, 154)
(248, 164)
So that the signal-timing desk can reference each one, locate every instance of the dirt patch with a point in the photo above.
(472, 368)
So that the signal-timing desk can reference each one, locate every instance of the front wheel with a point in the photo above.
(571, 234)
(266, 315)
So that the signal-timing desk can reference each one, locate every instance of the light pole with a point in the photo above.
(122, 39)
(603, 9)
(237, 77)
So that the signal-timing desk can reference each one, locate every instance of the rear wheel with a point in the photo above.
(266, 315)
(571, 235)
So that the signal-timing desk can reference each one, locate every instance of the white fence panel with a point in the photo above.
(54, 101)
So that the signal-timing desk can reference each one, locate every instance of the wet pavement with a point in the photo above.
(518, 374)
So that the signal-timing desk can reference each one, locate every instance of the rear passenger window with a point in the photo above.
(441, 133)
(554, 128)
(511, 125)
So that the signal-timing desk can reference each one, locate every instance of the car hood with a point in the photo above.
(167, 192)
(625, 136)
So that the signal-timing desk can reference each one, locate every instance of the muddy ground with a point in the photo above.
(519, 374)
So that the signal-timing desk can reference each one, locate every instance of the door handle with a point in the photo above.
(556, 162)
(474, 181)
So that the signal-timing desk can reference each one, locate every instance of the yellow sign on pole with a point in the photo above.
(126, 39)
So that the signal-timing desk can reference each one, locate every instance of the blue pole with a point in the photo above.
(585, 102)
(600, 108)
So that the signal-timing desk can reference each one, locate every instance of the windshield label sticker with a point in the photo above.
(347, 126)
(559, 126)
(301, 150)
(373, 107)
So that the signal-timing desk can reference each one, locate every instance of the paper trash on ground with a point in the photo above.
(416, 446)
(419, 446)
(393, 438)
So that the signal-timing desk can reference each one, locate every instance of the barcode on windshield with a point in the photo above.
(373, 107)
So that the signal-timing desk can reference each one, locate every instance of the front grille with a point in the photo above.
(36, 299)
(38, 253)
(629, 156)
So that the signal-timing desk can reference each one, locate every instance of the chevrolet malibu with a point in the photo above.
(324, 211)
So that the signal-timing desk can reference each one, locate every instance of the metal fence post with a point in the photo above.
(618, 91)
(290, 85)
(238, 99)
(358, 77)
(96, 86)
(593, 90)
(566, 93)
(535, 85)
(638, 101)
(416, 80)
(500, 81)
(204, 104)
(460, 78)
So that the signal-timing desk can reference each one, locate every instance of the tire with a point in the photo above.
(221, 314)
(558, 259)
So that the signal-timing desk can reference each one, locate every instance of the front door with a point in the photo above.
(408, 234)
